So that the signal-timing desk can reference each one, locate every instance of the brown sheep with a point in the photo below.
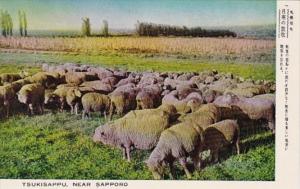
(79, 77)
(7, 97)
(220, 135)
(33, 96)
(95, 102)
(177, 143)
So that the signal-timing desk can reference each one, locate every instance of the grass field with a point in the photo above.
(59, 146)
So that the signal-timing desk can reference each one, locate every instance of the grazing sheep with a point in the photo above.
(60, 96)
(45, 79)
(51, 101)
(210, 95)
(17, 85)
(7, 97)
(149, 97)
(99, 86)
(220, 135)
(112, 81)
(270, 97)
(254, 108)
(126, 81)
(79, 77)
(33, 96)
(172, 99)
(194, 101)
(73, 99)
(122, 102)
(9, 77)
(184, 91)
(139, 129)
(95, 102)
(206, 115)
(176, 143)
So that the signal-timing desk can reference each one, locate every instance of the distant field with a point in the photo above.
(226, 49)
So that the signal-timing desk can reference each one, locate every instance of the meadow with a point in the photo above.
(59, 146)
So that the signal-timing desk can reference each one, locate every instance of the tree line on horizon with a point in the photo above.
(151, 29)
(6, 23)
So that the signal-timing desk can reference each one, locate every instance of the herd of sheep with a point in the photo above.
(176, 115)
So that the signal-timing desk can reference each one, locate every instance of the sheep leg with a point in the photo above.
(196, 161)
(31, 112)
(124, 153)
(76, 108)
(72, 109)
(111, 111)
(7, 110)
(215, 155)
(237, 145)
(172, 170)
(183, 164)
(271, 126)
(83, 114)
(128, 153)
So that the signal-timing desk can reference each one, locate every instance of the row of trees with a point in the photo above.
(151, 29)
(6, 23)
(86, 28)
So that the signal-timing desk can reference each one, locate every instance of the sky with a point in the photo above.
(123, 14)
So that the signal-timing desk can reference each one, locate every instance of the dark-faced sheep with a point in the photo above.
(254, 108)
(139, 129)
(220, 135)
(95, 102)
(33, 96)
(7, 96)
(176, 143)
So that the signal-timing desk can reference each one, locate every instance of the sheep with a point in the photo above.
(112, 81)
(73, 98)
(185, 90)
(149, 97)
(93, 102)
(126, 81)
(246, 89)
(45, 79)
(122, 102)
(221, 134)
(98, 86)
(139, 129)
(177, 143)
(79, 77)
(51, 101)
(7, 96)
(210, 95)
(206, 115)
(194, 101)
(9, 77)
(269, 96)
(60, 96)
(172, 99)
(33, 96)
(17, 85)
(254, 108)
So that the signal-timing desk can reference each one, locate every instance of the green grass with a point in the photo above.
(255, 71)
(59, 146)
